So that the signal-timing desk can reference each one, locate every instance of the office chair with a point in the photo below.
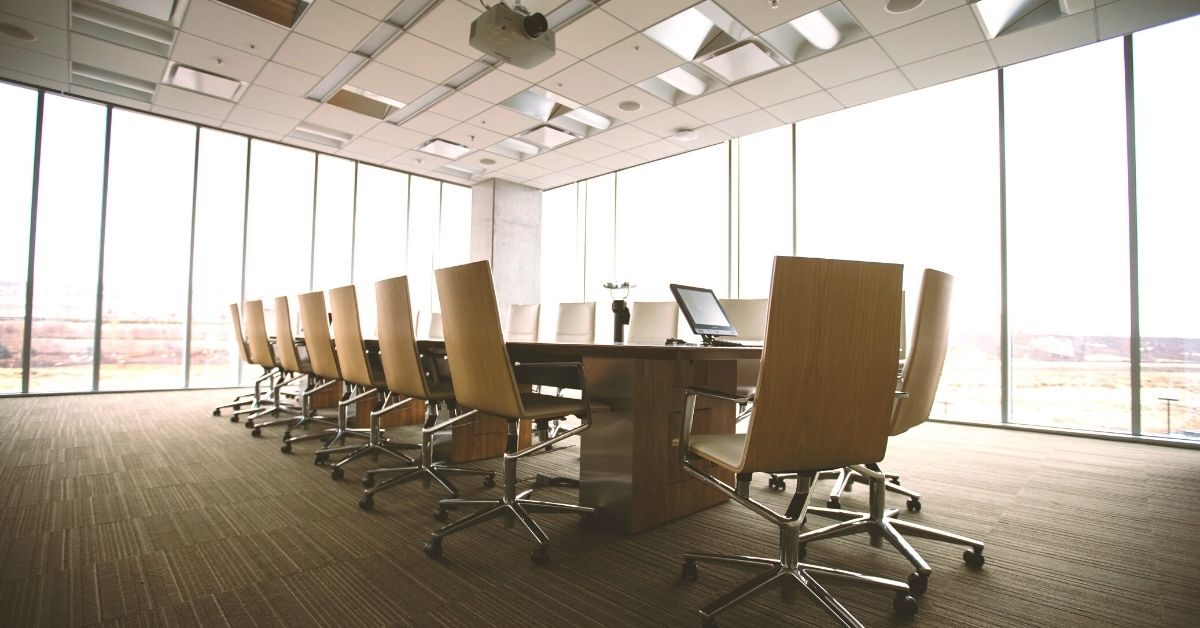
(484, 380)
(576, 323)
(262, 354)
(918, 386)
(411, 376)
(251, 399)
(362, 379)
(828, 321)
(749, 318)
(290, 359)
(652, 322)
(523, 322)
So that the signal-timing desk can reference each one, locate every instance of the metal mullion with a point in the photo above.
(99, 322)
(733, 161)
(354, 222)
(1005, 341)
(1135, 323)
(187, 325)
(27, 332)
(245, 242)
(312, 240)
(795, 196)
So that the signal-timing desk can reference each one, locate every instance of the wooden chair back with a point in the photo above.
(347, 334)
(749, 317)
(285, 343)
(256, 335)
(652, 322)
(828, 377)
(314, 318)
(397, 345)
(927, 354)
(236, 317)
(523, 322)
(576, 323)
(479, 363)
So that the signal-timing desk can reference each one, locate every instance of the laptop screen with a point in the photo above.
(703, 311)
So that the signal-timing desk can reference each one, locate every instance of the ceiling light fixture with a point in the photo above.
(818, 30)
(336, 77)
(902, 6)
(629, 105)
(16, 32)
(442, 148)
(683, 81)
(685, 135)
(203, 82)
(548, 136)
(589, 117)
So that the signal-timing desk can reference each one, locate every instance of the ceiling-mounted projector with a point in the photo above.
(513, 34)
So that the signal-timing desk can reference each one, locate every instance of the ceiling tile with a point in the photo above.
(189, 116)
(449, 25)
(286, 79)
(583, 171)
(556, 179)
(334, 24)
(299, 143)
(850, 63)
(259, 119)
(640, 13)
(48, 39)
(522, 170)
(950, 66)
(184, 100)
(705, 136)
(416, 159)
(16, 75)
(746, 124)
(1128, 16)
(96, 94)
(251, 131)
(373, 150)
(635, 59)
(35, 63)
(476, 160)
(625, 137)
(658, 150)
(941, 33)
(429, 123)
(127, 61)
(805, 107)
(539, 72)
(460, 106)
(222, 24)
(55, 13)
(760, 16)
(335, 117)
(471, 136)
(310, 55)
(667, 122)
(389, 133)
(423, 58)
(1037, 41)
(874, 17)
(587, 150)
(553, 161)
(583, 83)
(876, 87)
(591, 33)
(503, 120)
(278, 103)
(210, 56)
(718, 106)
(611, 105)
(496, 86)
(377, 9)
(777, 86)
(388, 81)
(618, 161)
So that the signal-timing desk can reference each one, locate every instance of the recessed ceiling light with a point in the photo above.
(442, 148)
(16, 32)
(204, 82)
(818, 30)
(629, 105)
(902, 6)
(547, 136)
(685, 135)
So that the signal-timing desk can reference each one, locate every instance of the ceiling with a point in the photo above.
(416, 53)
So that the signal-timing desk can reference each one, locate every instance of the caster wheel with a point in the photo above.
(433, 548)
(914, 505)
(587, 522)
(216, 413)
(905, 605)
(540, 556)
(895, 480)
(286, 448)
(367, 502)
(336, 474)
(489, 481)
(918, 584)
(541, 481)
(974, 557)
(833, 503)
(320, 459)
(778, 484)
(368, 481)
(256, 433)
(249, 424)
(233, 419)
(441, 514)
(691, 572)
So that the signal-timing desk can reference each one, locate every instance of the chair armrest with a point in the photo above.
(578, 366)
(689, 410)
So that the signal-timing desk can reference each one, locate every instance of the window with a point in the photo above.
(1068, 239)
(424, 202)
(599, 208)
(764, 219)
(454, 235)
(18, 127)
(922, 190)
(148, 217)
(67, 246)
(380, 232)
(562, 253)
(333, 232)
(217, 263)
(1167, 94)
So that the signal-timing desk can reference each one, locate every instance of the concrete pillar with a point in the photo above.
(506, 229)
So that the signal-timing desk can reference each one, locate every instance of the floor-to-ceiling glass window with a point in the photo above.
(279, 222)
(599, 208)
(380, 229)
(18, 127)
(217, 264)
(148, 218)
(914, 180)
(67, 247)
(333, 230)
(764, 219)
(562, 255)
(1166, 67)
(1068, 239)
(454, 237)
(425, 197)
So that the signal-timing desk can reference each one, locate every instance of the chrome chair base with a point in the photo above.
(376, 444)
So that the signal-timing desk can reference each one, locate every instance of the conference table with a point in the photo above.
(629, 457)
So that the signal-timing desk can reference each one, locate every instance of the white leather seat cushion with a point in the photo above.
(723, 449)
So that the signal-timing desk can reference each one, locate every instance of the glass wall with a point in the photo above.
(18, 124)
(764, 209)
(1068, 239)
(1166, 67)
(333, 224)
